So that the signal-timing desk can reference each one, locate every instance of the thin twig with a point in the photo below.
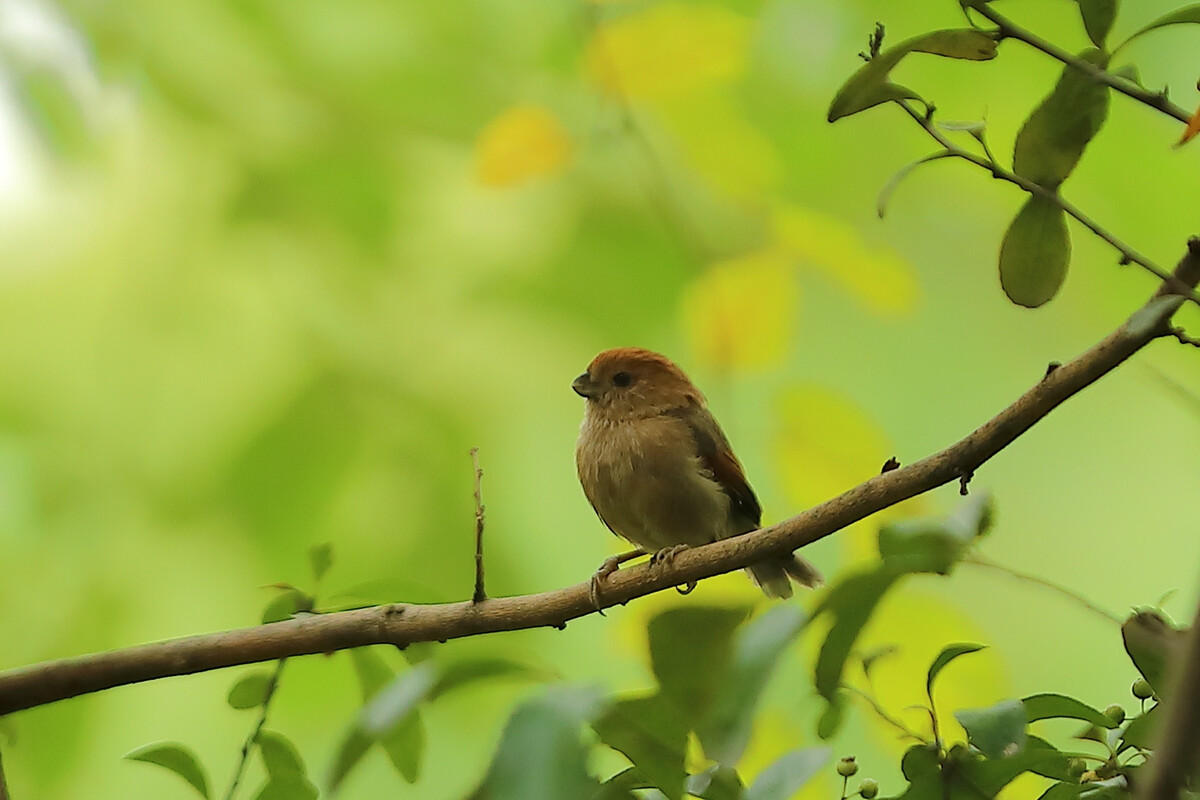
(479, 595)
(3, 784)
(1178, 749)
(252, 739)
(1128, 254)
(979, 561)
(1181, 335)
(1009, 29)
(403, 624)
(895, 722)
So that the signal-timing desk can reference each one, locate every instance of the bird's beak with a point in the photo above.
(583, 385)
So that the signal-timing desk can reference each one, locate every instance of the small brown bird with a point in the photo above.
(658, 470)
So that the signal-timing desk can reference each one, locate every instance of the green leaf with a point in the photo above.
(831, 719)
(885, 194)
(757, 647)
(988, 776)
(250, 691)
(293, 787)
(1058, 706)
(279, 756)
(1035, 253)
(923, 771)
(1142, 730)
(690, 652)
(1053, 139)
(851, 603)
(457, 674)
(652, 734)
(1188, 14)
(920, 545)
(285, 604)
(718, 782)
(1062, 791)
(997, 731)
(1098, 16)
(1050, 761)
(784, 776)
(948, 654)
(405, 744)
(390, 709)
(176, 757)
(1155, 646)
(869, 86)
(542, 755)
(320, 558)
(397, 700)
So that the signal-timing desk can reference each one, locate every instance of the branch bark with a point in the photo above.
(1178, 744)
(402, 624)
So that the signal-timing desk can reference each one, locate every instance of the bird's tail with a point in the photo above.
(775, 576)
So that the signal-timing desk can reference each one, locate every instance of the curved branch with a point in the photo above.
(1156, 100)
(402, 624)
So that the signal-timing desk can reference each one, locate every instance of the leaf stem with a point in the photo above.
(895, 722)
(252, 739)
(980, 561)
(1128, 254)
(1008, 29)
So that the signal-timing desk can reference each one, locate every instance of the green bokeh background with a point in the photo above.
(255, 296)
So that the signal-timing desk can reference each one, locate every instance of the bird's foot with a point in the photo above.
(666, 556)
(609, 566)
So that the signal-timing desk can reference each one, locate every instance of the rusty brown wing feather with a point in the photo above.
(718, 458)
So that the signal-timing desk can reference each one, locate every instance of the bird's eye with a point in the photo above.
(622, 379)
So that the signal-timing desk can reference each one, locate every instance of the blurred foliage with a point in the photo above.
(272, 267)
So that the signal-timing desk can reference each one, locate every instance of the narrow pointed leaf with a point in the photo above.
(1035, 253)
(757, 647)
(787, 774)
(948, 654)
(294, 787)
(1057, 706)
(851, 603)
(1188, 14)
(885, 194)
(405, 744)
(177, 758)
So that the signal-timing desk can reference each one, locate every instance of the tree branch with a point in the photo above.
(1178, 744)
(1009, 29)
(1128, 254)
(402, 624)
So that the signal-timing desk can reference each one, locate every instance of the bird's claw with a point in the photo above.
(607, 568)
(666, 556)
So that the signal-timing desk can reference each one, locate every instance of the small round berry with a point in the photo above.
(1115, 713)
(868, 788)
(1142, 689)
(847, 767)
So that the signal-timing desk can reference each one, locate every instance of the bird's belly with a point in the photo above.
(657, 500)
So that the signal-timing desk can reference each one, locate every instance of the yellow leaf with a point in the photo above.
(824, 444)
(876, 276)
(521, 143)
(721, 144)
(669, 49)
(921, 624)
(740, 312)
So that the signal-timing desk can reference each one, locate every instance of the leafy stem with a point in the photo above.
(883, 714)
(252, 739)
(1009, 29)
(1128, 254)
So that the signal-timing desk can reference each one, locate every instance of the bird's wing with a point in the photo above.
(717, 456)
